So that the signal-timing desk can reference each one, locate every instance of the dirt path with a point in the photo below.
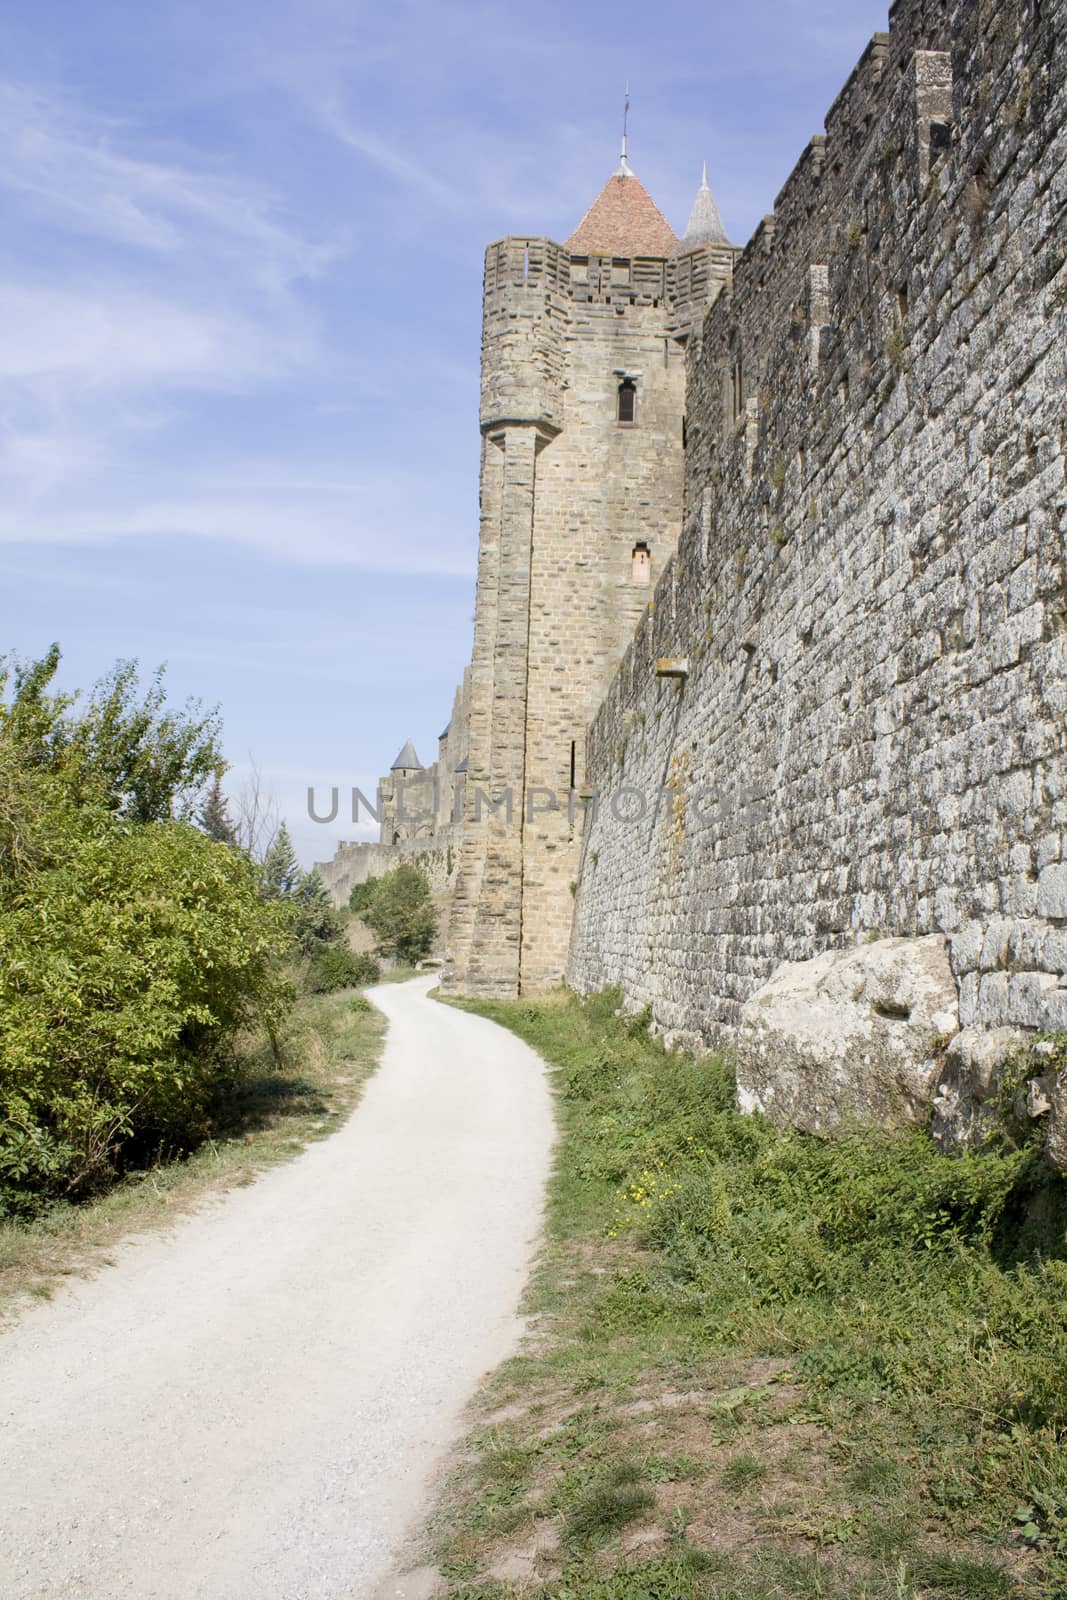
(252, 1406)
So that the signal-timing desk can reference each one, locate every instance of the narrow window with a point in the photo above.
(641, 563)
(737, 389)
(574, 761)
(627, 400)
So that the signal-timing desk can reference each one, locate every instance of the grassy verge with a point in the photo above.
(331, 1046)
(765, 1366)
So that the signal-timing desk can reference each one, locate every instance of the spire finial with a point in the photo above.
(624, 169)
(704, 176)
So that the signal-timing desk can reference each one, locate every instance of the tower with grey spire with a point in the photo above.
(705, 224)
(583, 382)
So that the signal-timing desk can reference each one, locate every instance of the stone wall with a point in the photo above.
(567, 493)
(865, 731)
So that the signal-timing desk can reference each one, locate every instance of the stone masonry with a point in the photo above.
(863, 733)
(771, 588)
(580, 511)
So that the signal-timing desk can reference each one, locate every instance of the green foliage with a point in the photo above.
(607, 1504)
(133, 949)
(213, 816)
(687, 1575)
(128, 964)
(338, 967)
(920, 1296)
(361, 896)
(123, 750)
(400, 912)
(746, 1471)
(280, 872)
(317, 926)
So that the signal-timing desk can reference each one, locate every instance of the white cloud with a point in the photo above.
(310, 527)
(113, 336)
(71, 167)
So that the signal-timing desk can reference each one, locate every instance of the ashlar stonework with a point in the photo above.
(826, 476)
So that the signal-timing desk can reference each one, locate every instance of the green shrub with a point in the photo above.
(338, 967)
(133, 948)
(315, 924)
(128, 964)
(400, 911)
(361, 896)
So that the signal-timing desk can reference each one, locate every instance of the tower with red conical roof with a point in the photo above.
(583, 383)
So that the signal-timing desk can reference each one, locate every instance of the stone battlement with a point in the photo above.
(869, 590)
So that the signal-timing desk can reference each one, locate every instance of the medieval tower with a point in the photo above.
(582, 421)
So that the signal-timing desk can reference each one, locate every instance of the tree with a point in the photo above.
(280, 872)
(316, 924)
(125, 750)
(257, 814)
(214, 815)
(401, 913)
(361, 896)
(133, 949)
(129, 962)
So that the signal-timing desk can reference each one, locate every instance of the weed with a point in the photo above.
(607, 1505)
(948, 1575)
(745, 1471)
(918, 1301)
(896, 348)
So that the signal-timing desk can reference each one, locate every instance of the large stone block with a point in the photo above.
(851, 1037)
(964, 1106)
(1056, 1146)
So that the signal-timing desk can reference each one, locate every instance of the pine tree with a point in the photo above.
(317, 923)
(280, 872)
(214, 815)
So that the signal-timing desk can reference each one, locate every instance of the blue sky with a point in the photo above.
(240, 282)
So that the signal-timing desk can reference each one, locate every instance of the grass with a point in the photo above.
(760, 1365)
(332, 1045)
(745, 1471)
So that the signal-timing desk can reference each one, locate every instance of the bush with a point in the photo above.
(362, 895)
(133, 948)
(400, 911)
(127, 966)
(338, 967)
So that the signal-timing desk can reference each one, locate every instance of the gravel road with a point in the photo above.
(252, 1405)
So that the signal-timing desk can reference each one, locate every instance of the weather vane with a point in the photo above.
(624, 166)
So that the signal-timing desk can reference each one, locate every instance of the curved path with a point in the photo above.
(251, 1406)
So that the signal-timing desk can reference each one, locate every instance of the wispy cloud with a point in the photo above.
(310, 526)
(180, 280)
(72, 168)
(111, 335)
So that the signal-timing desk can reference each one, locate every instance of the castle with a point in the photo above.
(583, 439)
(782, 531)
